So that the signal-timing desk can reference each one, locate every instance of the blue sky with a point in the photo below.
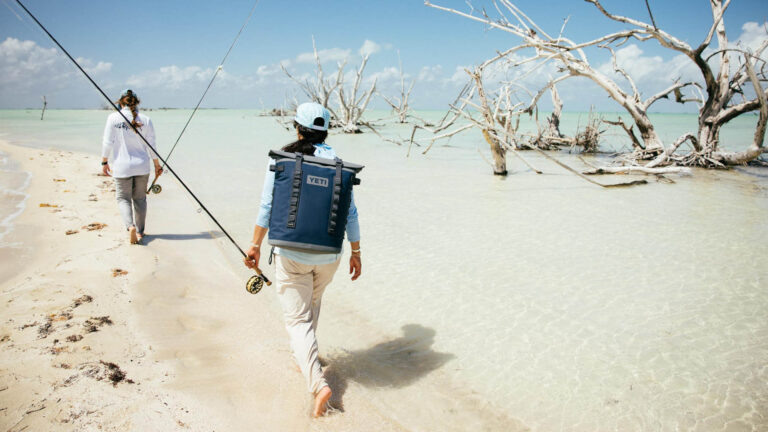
(167, 50)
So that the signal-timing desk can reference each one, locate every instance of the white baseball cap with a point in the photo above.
(313, 116)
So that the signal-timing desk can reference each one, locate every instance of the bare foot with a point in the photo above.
(139, 238)
(321, 401)
(134, 238)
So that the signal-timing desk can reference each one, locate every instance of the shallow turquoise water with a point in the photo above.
(564, 305)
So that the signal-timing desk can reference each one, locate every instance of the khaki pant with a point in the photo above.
(300, 290)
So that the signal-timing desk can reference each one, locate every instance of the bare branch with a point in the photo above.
(761, 97)
(543, 90)
(433, 139)
(628, 129)
(663, 37)
(674, 88)
(635, 91)
(664, 156)
(719, 10)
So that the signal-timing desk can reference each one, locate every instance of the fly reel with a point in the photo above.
(156, 188)
(255, 283)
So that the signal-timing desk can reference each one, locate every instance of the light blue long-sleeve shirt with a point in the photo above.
(265, 211)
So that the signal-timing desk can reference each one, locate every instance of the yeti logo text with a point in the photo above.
(317, 181)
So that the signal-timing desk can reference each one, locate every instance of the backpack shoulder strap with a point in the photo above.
(335, 198)
(295, 192)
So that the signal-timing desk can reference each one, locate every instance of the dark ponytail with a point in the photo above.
(130, 100)
(306, 144)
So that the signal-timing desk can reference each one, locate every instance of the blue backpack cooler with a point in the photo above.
(310, 201)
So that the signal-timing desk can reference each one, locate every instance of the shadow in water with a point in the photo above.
(202, 235)
(394, 364)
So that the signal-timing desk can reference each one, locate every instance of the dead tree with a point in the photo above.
(553, 121)
(400, 104)
(717, 105)
(321, 89)
(722, 84)
(573, 62)
(498, 119)
(351, 106)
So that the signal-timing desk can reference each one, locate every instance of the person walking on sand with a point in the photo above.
(302, 276)
(125, 156)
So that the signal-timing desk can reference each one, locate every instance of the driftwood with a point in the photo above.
(578, 174)
(636, 170)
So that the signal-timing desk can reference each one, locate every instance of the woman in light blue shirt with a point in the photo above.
(302, 276)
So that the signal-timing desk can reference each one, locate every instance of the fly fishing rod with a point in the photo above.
(255, 283)
(156, 188)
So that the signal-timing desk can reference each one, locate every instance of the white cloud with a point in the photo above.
(28, 71)
(326, 55)
(369, 47)
(387, 76)
(22, 60)
(459, 77)
(172, 77)
(268, 70)
(94, 69)
(430, 73)
(753, 34)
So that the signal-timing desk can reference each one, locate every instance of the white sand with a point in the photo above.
(200, 352)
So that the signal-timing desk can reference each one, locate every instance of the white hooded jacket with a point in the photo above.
(127, 153)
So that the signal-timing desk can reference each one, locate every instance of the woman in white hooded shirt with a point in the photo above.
(126, 157)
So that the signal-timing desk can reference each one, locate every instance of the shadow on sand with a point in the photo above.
(149, 238)
(393, 364)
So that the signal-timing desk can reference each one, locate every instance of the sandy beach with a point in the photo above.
(98, 334)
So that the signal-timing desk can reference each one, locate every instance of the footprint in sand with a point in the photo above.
(95, 226)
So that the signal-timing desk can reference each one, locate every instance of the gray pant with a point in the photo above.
(132, 190)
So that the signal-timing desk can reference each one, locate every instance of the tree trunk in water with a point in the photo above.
(709, 136)
(499, 156)
(648, 134)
